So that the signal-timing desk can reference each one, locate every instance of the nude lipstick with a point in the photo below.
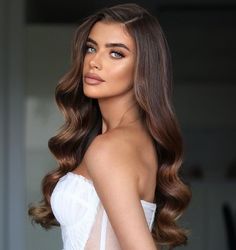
(92, 79)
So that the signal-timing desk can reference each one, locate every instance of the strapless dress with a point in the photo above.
(82, 217)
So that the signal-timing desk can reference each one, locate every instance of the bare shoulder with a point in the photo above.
(112, 155)
(110, 160)
(113, 146)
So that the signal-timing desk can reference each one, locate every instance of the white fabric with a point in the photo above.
(103, 231)
(84, 222)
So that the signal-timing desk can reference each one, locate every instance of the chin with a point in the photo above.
(92, 92)
(99, 92)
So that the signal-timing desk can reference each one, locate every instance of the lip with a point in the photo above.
(92, 78)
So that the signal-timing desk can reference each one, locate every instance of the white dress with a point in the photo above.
(83, 220)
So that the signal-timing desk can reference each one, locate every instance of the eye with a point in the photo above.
(117, 54)
(90, 49)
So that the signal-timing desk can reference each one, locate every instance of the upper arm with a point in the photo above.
(110, 164)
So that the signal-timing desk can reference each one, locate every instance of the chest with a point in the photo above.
(73, 199)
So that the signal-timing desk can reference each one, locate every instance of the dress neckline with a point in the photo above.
(89, 181)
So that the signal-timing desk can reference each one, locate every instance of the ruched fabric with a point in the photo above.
(84, 222)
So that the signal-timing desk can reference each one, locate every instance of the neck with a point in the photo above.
(117, 112)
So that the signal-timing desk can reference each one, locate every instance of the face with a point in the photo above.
(109, 61)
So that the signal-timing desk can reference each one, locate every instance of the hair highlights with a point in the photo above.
(153, 91)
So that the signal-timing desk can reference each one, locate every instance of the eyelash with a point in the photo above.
(120, 54)
(89, 47)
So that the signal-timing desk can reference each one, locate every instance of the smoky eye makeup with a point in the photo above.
(89, 47)
(114, 53)
(117, 54)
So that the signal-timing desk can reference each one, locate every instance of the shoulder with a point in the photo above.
(110, 160)
(112, 152)
(110, 146)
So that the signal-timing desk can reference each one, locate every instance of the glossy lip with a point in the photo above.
(92, 78)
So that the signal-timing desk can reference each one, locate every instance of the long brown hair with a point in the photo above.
(153, 92)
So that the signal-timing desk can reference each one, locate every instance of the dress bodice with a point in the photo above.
(84, 222)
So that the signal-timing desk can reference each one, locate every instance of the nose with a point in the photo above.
(95, 63)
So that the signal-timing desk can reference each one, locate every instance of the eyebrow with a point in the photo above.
(109, 45)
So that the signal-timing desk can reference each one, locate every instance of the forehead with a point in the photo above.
(111, 32)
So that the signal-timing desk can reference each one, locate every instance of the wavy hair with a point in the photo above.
(153, 92)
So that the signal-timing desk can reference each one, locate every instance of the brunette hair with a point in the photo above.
(153, 92)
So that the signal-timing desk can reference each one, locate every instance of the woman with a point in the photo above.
(120, 149)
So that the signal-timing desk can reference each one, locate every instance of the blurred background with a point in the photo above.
(35, 43)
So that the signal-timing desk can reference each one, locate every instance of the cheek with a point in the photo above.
(122, 74)
(85, 64)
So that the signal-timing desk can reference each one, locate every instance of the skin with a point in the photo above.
(122, 160)
(116, 66)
